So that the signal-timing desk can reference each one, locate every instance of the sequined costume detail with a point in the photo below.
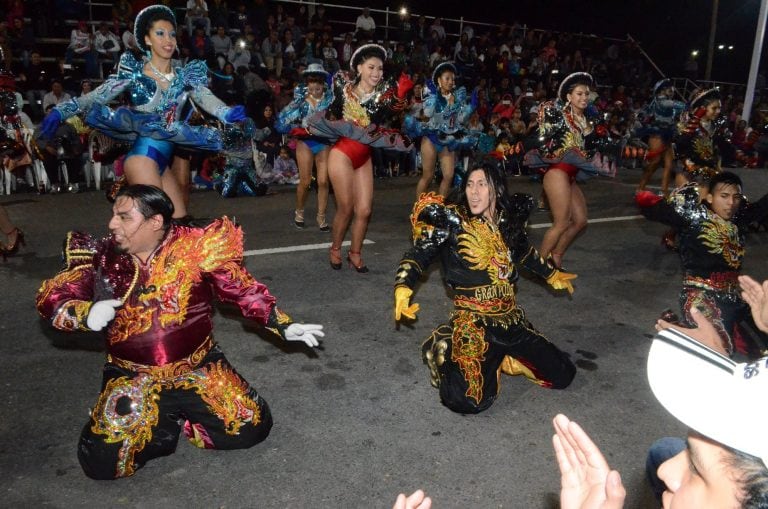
(480, 268)
(160, 351)
(225, 394)
(132, 429)
(711, 251)
(698, 145)
(156, 116)
(563, 140)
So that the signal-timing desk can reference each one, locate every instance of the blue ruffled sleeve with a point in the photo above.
(194, 76)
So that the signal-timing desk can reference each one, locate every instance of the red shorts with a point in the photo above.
(568, 169)
(357, 152)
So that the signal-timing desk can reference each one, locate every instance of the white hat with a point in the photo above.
(710, 393)
(315, 68)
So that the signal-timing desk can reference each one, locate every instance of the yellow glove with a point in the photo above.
(561, 281)
(402, 297)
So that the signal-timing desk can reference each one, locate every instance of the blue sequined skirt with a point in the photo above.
(126, 124)
(452, 141)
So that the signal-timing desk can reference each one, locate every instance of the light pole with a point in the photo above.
(711, 50)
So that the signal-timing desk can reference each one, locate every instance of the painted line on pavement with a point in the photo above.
(294, 249)
(592, 221)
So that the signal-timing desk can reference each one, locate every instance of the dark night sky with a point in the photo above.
(667, 29)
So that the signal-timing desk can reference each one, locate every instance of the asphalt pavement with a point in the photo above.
(356, 421)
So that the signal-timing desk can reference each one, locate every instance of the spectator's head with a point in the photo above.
(720, 401)
(221, 31)
(35, 57)
(56, 87)
(82, 25)
(103, 27)
(444, 76)
(285, 152)
(155, 30)
(86, 86)
(706, 104)
(290, 21)
(366, 12)
(140, 217)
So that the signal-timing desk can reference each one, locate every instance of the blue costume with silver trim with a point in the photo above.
(298, 111)
(446, 123)
(239, 173)
(154, 121)
(660, 117)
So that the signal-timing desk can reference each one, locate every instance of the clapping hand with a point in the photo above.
(586, 480)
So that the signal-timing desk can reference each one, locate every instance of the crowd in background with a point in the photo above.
(257, 50)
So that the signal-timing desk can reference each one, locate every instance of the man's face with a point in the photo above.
(724, 200)
(480, 195)
(131, 232)
(56, 88)
(699, 477)
(36, 58)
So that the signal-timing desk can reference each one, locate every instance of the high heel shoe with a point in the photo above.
(335, 258)
(13, 248)
(298, 219)
(362, 268)
(322, 223)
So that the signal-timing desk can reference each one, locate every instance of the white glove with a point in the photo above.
(101, 313)
(306, 332)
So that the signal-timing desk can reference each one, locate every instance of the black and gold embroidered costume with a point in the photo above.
(487, 333)
(711, 251)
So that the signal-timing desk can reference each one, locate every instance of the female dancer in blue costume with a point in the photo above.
(310, 97)
(158, 93)
(353, 123)
(661, 116)
(447, 111)
(568, 141)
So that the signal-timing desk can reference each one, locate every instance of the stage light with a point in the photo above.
(403, 11)
(695, 53)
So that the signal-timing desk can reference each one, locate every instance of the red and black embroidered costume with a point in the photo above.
(487, 333)
(711, 251)
(698, 145)
(164, 372)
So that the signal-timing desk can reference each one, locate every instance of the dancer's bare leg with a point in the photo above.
(7, 227)
(362, 188)
(181, 172)
(304, 160)
(557, 187)
(577, 224)
(321, 163)
(143, 170)
(428, 161)
(447, 165)
(341, 174)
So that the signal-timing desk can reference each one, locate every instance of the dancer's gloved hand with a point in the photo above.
(235, 114)
(431, 86)
(562, 281)
(50, 124)
(404, 85)
(402, 306)
(306, 332)
(101, 313)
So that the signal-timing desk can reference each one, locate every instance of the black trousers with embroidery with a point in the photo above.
(465, 358)
(138, 418)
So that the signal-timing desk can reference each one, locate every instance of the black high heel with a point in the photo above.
(12, 249)
(362, 268)
(334, 264)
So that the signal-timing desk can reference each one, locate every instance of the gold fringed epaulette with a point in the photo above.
(79, 249)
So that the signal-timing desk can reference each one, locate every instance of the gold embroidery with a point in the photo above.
(434, 349)
(61, 279)
(130, 321)
(72, 315)
(170, 370)
(225, 393)
(353, 110)
(138, 397)
(722, 237)
(179, 266)
(468, 349)
(420, 228)
(483, 248)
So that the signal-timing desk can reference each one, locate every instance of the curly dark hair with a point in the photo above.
(146, 18)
